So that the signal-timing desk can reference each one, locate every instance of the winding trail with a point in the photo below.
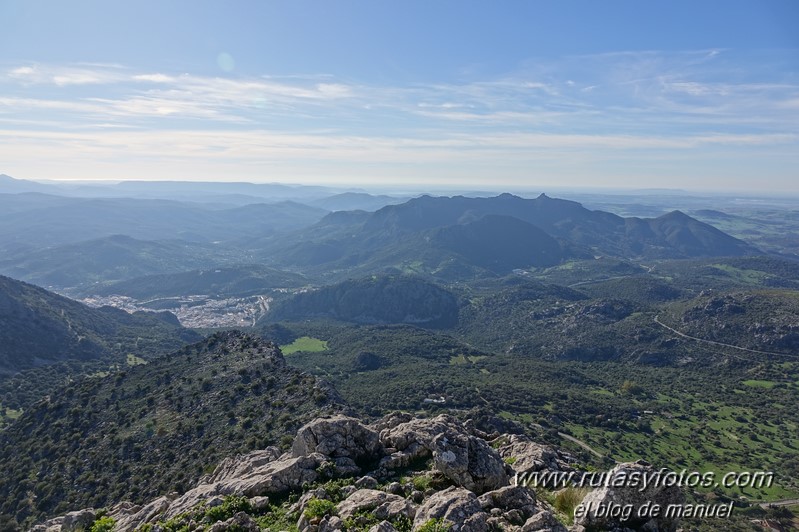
(721, 344)
(784, 502)
(580, 443)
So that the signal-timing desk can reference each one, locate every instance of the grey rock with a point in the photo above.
(327, 523)
(79, 520)
(383, 526)
(280, 476)
(346, 491)
(543, 521)
(346, 467)
(241, 465)
(214, 501)
(458, 506)
(514, 517)
(259, 503)
(378, 503)
(299, 506)
(498, 523)
(366, 483)
(623, 491)
(330, 523)
(395, 488)
(511, 498)
(391, 420)
(130, 517)
(469, 462)
(240, 522)
(51, 525)
(337, 437)
(530, 456)
(415, 437)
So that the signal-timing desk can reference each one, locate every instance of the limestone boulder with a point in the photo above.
(469, 462)
(459, 507)
(337, 437)
(626, 488)
(378, 503)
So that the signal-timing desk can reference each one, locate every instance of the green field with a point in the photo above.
(305, 343)
(133, 360)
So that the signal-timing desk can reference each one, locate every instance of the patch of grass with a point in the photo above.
(567, 499)
(754, 383)
(305, 343)
(133, 360)
(277, 519)
(435, 525)
(741, 275)
(464, 359)
(12, 414)
(458, 360)
(422, 482)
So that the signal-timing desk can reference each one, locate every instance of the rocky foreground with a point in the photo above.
(398, 474)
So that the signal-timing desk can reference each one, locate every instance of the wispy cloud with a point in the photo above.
(602, 107)
(642, 87)
(62, 76)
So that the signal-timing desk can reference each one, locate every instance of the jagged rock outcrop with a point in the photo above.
(469, 462)
(417, 471)
(626, 488)
(78, 520)
(337, 437)
(459, 506)
(528, 455)
(380, 504)
(280, 476)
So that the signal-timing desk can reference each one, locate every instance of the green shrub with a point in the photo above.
(435, 525)
(421, 482)
(319, 508)
(333, 488)
(365, 520)
(103, 524)
(231, 505)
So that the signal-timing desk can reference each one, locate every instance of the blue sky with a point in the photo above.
(695, 95)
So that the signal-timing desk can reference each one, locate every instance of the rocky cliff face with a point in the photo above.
(399, 474)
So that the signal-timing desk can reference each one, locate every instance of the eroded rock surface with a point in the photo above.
(420, 470)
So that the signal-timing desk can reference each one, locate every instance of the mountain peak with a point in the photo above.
(676, 215)
(224, 342)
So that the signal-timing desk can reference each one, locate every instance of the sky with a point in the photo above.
(523, 94)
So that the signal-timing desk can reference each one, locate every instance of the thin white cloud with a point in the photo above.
(583, 108)
(630, 83)
(62, 76)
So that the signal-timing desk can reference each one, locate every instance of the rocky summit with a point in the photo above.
(398, 474)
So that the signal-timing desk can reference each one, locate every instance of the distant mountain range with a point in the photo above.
(47, 221)
(68, 242)
(107, 259)
(228, 281)
(460, 237)
(222, 193)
